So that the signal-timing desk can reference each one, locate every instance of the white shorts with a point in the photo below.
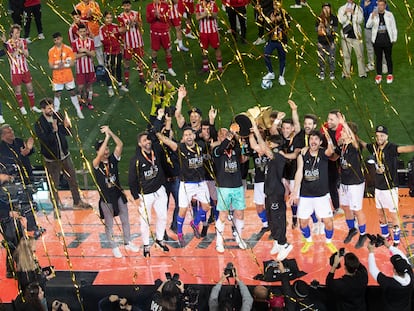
(68, 86)
(211, 184)
(387, 199)
(352, 196)
(258, 193)
(189, 191)
(97, 41)
(321, 206)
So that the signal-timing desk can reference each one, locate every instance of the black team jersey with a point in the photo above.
(274, 174)
(227, 163)
(260, 163)
(289, 146)
(350, 169)
(191, 162)
(386, 164)
(146, 173)
(315, 175)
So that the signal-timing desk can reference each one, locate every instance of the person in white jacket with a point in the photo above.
(384, 35)
(351, 16)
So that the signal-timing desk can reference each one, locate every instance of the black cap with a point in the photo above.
(400, 264)
(381, 129)
(195, 109)
(326, 4)
(56, 35)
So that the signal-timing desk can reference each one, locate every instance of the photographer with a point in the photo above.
(161, 91)
(10, 226)
(227, 303)
(396, 290)
(349, 290)
(14, 154)
(168, 296)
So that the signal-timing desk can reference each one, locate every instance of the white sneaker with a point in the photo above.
(220, 249)
(123, 88)
(28, 40)
(269, 76)
(41, 36)
(80, 114)
(369, 67)
(171, 72)
(35, 109)
(23, 111)
(117, 252)
(2, 119)
(111, 92)
(259, 41)
(183, 48)
(282, 80)
(296, 6)
(284, 251)
(275, 248)
(132, 247)
(176, 41)
(190, 36)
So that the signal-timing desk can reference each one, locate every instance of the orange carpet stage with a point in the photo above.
(82, 234)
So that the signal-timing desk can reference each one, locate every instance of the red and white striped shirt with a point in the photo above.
(207, 24)
(17, 60)
(174, 11)
(111, 38)
(84, 64)
(132, 37)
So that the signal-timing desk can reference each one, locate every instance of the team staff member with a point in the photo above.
(146, 181)
(193, 185)
(385, 155)
(51, 129)
(312, 178)
(230, 192)
(113, 201)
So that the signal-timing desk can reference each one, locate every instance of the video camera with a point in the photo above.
(376, 240)
(228, 270)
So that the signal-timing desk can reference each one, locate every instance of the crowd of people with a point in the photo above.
(95, 34)
(203, 169)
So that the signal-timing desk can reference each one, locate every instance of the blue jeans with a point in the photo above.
(268, 50)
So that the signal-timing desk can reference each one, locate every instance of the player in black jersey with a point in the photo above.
(112, 200)
(230, 192)
(146, 183)
(274, 189)
(385, 155)
(312, 178)
(352, 187)
(193, 184)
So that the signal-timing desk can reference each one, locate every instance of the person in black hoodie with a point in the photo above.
(349, 290)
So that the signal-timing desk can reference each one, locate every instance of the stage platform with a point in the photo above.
(77, 244)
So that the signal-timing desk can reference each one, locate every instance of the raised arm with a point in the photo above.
(295, 115)
(182, 92)
(167, 141)
(101, 151)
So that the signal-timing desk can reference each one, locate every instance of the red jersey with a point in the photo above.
(29, 3)
(73, 32)
(132, 37)
(17, 60)
(207, 24)
(84, 64)
(158, 16)
(111, 38)
(174, 11)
